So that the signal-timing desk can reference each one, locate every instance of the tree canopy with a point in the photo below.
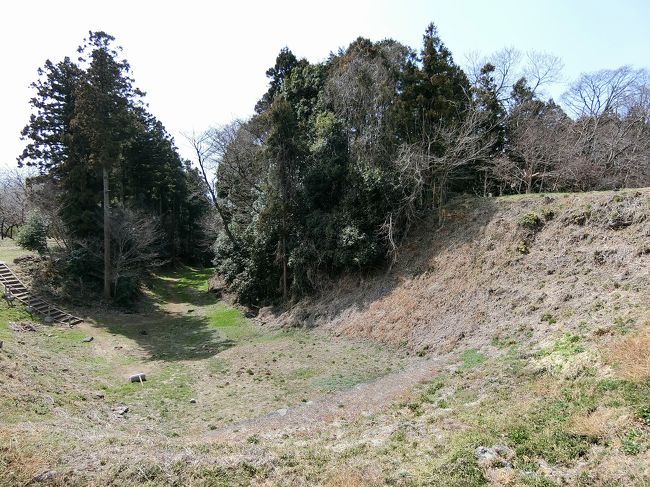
(91, 132)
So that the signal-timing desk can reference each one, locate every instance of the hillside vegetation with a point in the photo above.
(507, 347)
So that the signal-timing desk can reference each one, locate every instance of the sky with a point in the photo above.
(204, 63)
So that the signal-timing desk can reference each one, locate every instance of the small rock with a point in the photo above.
(98, 395)
(139, 377)
(282, 412)
(504, 451)
(497, 456)
(192, 401)
(121, 410)
(88, 339)
(190, 311)
(45, 476)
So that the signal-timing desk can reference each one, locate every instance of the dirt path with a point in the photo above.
(361, 400)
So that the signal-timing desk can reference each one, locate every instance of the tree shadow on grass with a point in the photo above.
(172, 336)
(169, 337)
(183, 284)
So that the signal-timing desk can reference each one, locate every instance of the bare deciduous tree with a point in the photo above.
(613, 124)
(540, 69)
(14, 201)
(135, 240)
(425, 174)
(607, 91)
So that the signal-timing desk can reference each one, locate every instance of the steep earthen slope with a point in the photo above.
(512, 268)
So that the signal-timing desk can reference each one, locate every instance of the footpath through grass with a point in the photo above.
(63, 400)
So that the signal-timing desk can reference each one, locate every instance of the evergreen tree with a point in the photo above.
(92, 139)
(104, 97)
(284, 64)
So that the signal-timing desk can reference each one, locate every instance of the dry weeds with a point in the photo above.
(631, 355)
(601, 423)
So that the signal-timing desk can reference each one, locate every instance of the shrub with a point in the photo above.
(522, 247)
(531, 221)
(33, 234)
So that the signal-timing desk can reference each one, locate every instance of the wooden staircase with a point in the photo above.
(33, 304)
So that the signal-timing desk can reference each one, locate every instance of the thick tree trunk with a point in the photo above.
(107, 237)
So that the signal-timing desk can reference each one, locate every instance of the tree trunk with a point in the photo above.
(284, 269)
(107, 237)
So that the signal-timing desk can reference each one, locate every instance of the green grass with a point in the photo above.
(530, 221)
(540, 427)
(336, 382)
(164, 395)
(566, 346)
(7, 315)
(471, 358)
(9, 250)
(183, 284)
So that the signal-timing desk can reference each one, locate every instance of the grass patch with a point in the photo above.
(303, 373)
(224, 316)
(9, 250)
(230, 323)
(565, 346)
(337, 382)
(530, 221)
(502, 342)
(548, 318)
(471, 358)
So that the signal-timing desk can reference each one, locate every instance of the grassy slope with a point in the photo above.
(206, 365)
(546, 352)
(538, 337)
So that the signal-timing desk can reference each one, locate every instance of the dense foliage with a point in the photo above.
(89, 120)
(317, 183)
(338, 163)
(344, 156)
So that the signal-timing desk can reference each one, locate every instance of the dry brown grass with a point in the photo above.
(355, 477)
(599, 423)
(19, 462)
(631, 355)
(501, 476)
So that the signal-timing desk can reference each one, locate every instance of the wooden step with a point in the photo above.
(22, 294)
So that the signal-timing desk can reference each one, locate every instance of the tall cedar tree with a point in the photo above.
(102, 111)
(90, 131)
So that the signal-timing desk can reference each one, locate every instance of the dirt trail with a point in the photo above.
(362, 400)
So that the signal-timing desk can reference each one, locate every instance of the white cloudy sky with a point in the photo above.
(203, 63)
